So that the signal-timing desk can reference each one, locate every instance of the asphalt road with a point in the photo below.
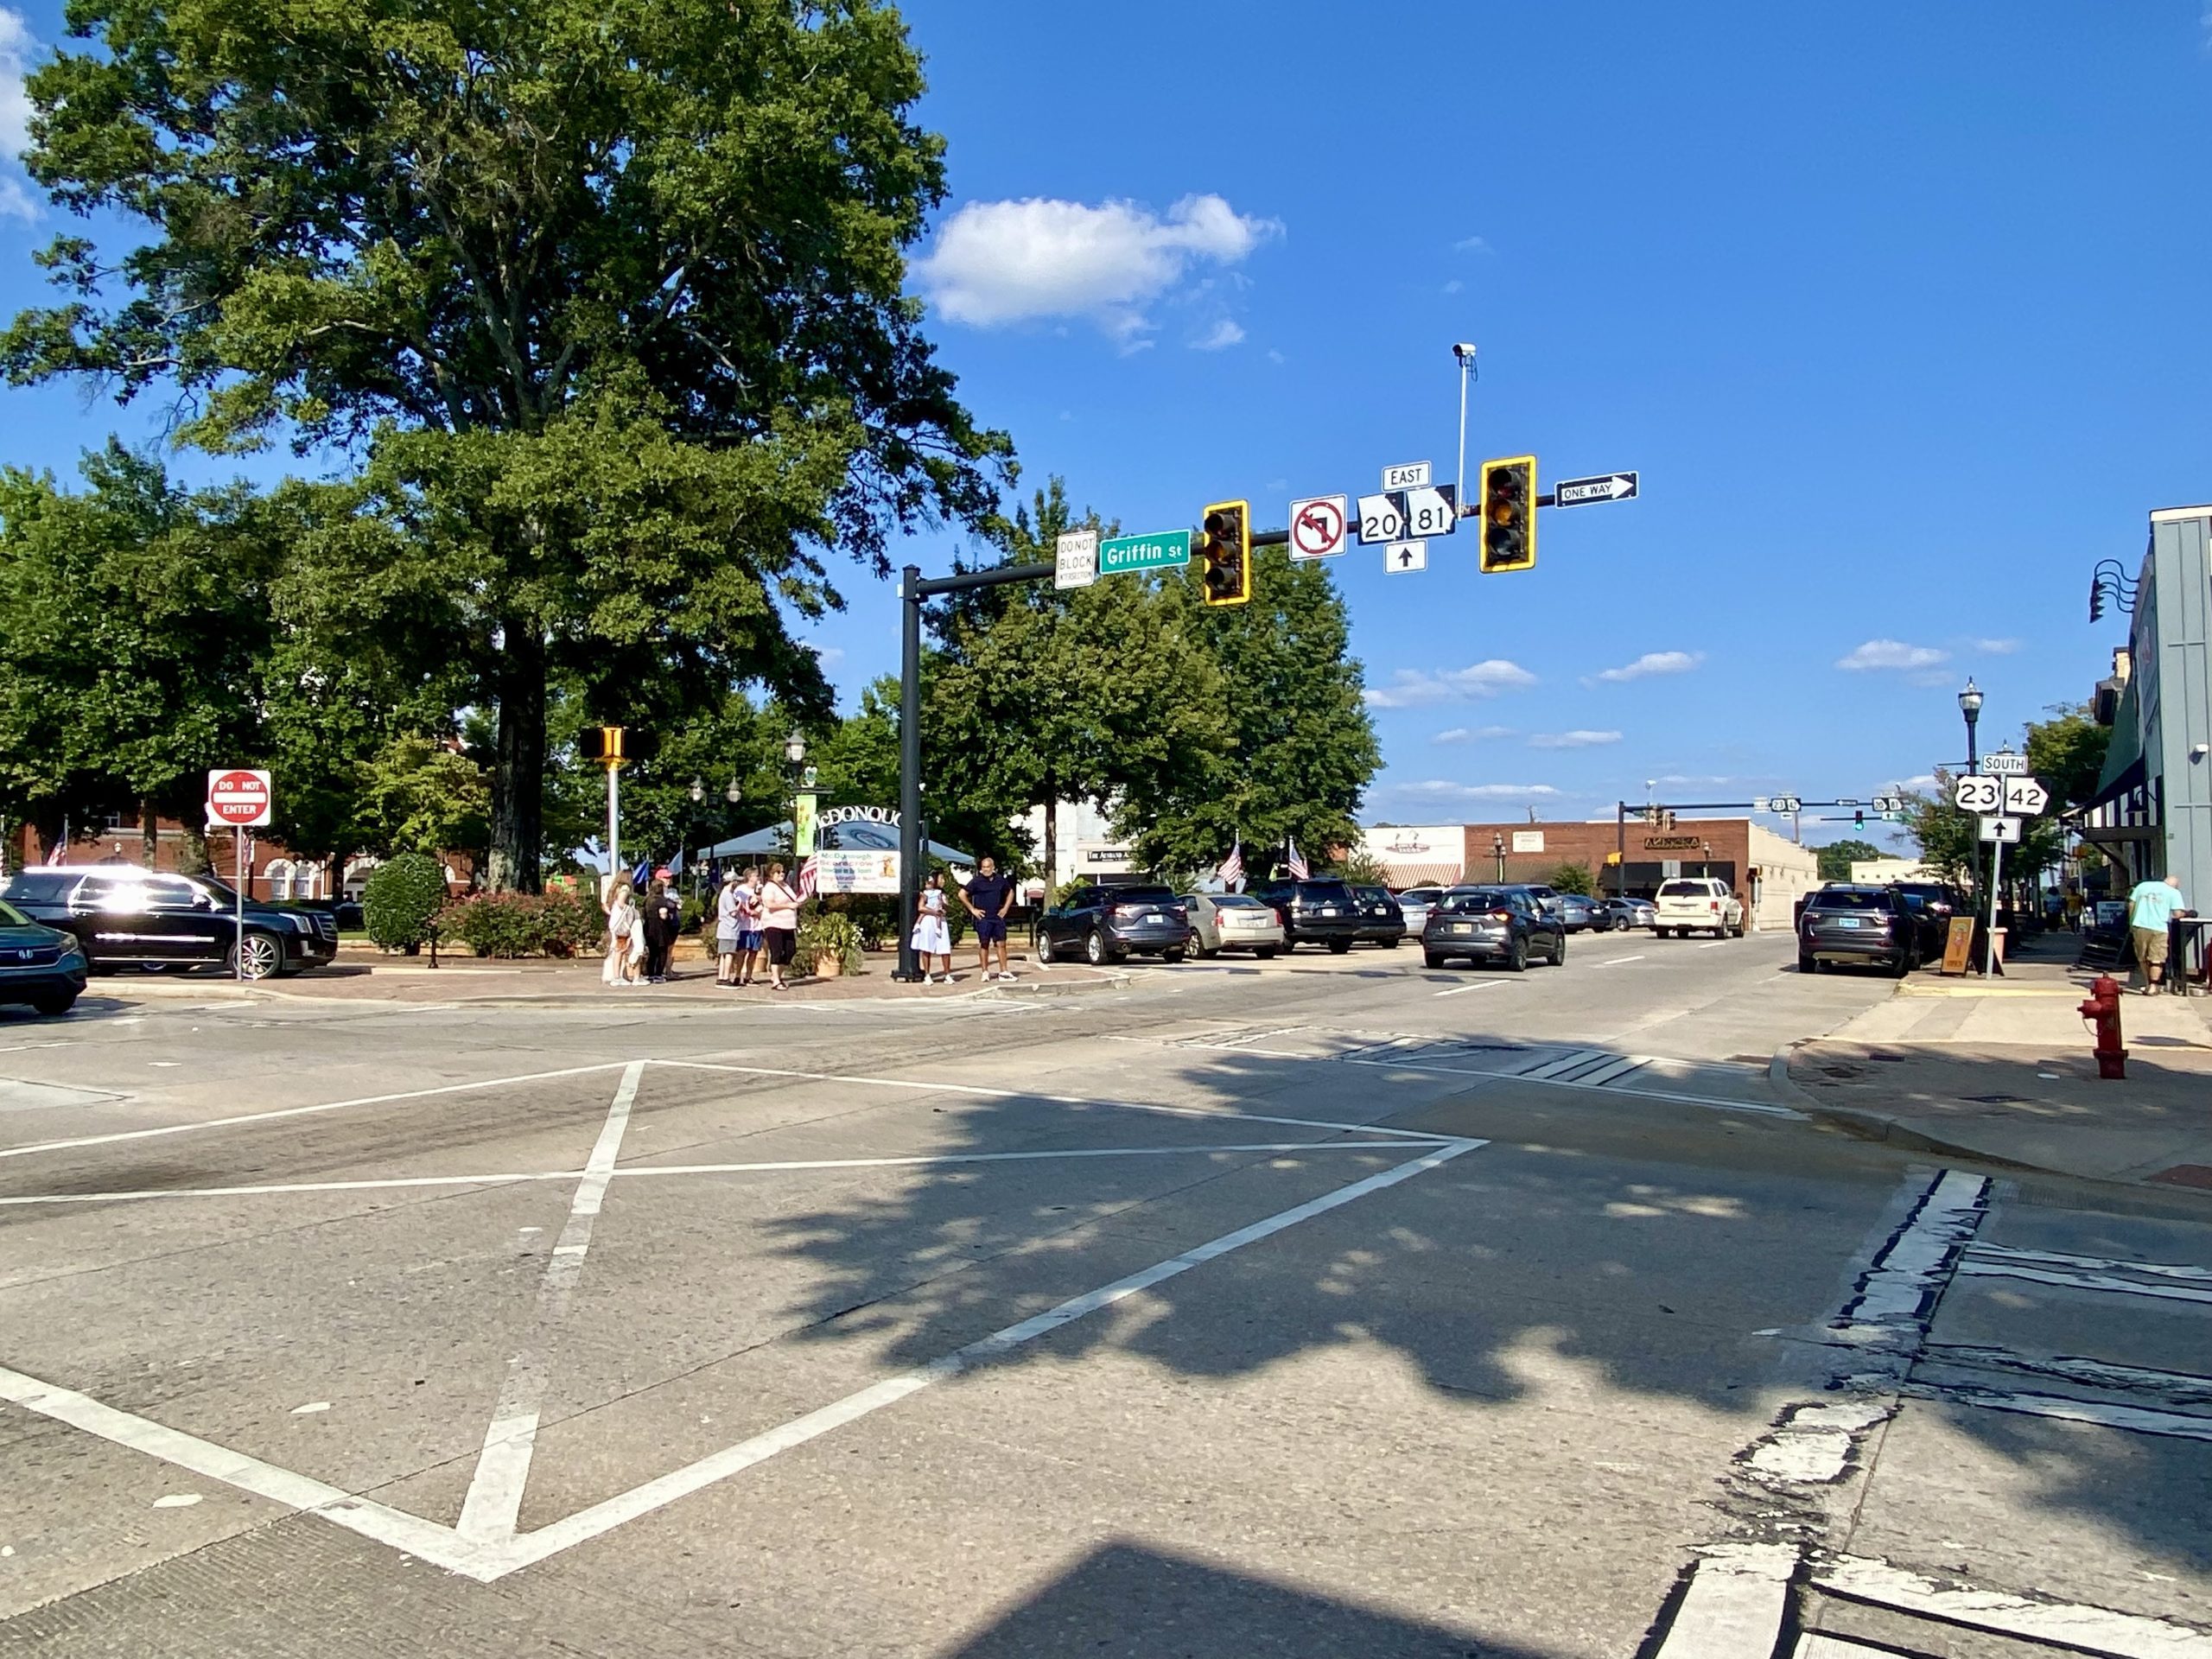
(1331, 1307)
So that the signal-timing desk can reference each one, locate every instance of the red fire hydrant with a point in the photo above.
(2103, 1007)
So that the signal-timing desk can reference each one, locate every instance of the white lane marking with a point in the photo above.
(2177, 1389)
(1813, 1443)
(1900, 1290)
(177, 1500)
(1712, 945)
(494, 1500)
(1619, 1068)
(311, 1408)
(1714, 1102)
(1834, 1647)
(304, 1111)
(2093, 1263)
(1733, 1609)
(2106, 1283)
(395, 1527)
(1615, 962)
(2082, 1630)
(1479, 985)
(266, 1189)
(681, 1483)
(1559, 1064)
(2135, 1420)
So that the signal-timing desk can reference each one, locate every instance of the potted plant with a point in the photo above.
(829, 945)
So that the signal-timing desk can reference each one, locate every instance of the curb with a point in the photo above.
(1026, 987)
(1873, 1126)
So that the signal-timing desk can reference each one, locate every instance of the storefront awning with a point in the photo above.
(2124, 769)
(1399, 877)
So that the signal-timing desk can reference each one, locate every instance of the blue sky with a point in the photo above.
(1899, 310)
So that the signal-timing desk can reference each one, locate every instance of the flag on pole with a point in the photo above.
(1232, 867)
(808, 876)
(1298, 870)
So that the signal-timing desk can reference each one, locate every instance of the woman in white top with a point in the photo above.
(729, 909)
(624, 935)
(932, 937)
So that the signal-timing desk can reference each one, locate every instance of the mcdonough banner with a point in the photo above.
(854, 870)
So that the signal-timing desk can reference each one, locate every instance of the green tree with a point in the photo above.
(418, 795)
(1572, 878)
(1946, 836)
(611, 294)
(1837, 857)
(2067, 751)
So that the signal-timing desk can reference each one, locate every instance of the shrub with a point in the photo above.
(400, 904)
(570, 924)
(828, 933)
(497, 923)
(1572, 878)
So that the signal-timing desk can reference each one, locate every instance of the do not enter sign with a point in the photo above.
(238, 799)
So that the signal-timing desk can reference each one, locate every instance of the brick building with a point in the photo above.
(1767, 871)
(274, 871)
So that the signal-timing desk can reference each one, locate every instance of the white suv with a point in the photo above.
(1691, 903)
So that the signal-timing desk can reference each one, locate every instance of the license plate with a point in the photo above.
(1327, 910)
(1846, 921)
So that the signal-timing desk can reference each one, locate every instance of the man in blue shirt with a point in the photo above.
(2151, 910)
(989, 896)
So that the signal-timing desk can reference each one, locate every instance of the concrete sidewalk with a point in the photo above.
(2005, 1072)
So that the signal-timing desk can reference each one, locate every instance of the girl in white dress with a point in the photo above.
(623, 935)
(932, 937)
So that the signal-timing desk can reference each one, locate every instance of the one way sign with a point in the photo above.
(1581, 492)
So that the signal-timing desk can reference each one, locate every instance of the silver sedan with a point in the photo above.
(1233, 921)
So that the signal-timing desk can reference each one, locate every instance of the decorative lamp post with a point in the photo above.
(794, 751)
(1498, 852)
(1970, 706)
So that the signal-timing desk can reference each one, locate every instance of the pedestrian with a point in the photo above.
(622, 933)
(932, 935)
(988, 897)
(2150, 908)
(728, 924)
(778, 925)
(750, 939)
(664, 920)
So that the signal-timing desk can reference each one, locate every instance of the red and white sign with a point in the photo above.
(239, 799)
(1317, 527)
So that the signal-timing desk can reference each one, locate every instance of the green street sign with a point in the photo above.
(1165, 549)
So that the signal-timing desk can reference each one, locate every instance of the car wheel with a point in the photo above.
(1558, 951)
(1808, 964)
(1516, 958)
(56, 1002)
(264, 957)
(1171, 956)
(1392, 944)
(1903, 965)
(1094, 951)
(1206, 954)
(1434, 960)
(1265, 952)
(1040, 947)
(1339, 947)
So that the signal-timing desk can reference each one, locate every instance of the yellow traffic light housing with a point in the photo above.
(1226, 549)
(1508, 514)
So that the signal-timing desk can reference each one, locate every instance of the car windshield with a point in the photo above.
(1843, 899)
(1685, 890)
(10, 917)
(1325, 893)
(1139, 896)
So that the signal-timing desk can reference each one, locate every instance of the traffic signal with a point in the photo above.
(1508, 514)
(1858, 820)
(616, 744)
(1227, 550)
(2096, 599)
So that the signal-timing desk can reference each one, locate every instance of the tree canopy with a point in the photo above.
(1836, 858)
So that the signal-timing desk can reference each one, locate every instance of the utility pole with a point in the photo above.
(1465, 351)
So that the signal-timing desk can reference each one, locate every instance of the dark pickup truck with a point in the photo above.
(124, 916)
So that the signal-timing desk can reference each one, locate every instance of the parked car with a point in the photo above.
(1546, 899)
(1382, 919)
(1232, 921)
(124, 916)
(1576, 913)
(1313, 913)
(1103, 924)
(40, 965)
(1502, 924)
(1695, 903)
(1933, 904)
(1628, 913)
(347, 912)
(1413, 905)
(1868, 926)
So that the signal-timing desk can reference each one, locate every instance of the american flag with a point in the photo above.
(808, 876)
(1298, 870)
(1232, 867)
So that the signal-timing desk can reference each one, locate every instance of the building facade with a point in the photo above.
(2152, 812)
(271, 871)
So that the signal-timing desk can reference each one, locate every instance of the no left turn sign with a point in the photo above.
(1317, 527)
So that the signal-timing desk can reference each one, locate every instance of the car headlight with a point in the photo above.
(70, 947)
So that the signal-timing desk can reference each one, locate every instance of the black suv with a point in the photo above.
(1380, 921)
(1933, 904)
(1869, 926)
(1313, 913)
(1503, 925)
(125, 916)
(1106, 924)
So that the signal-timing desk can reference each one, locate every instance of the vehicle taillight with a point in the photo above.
(1501, 915)
(1713, 905)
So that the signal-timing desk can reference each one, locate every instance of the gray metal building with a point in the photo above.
(2153, 810)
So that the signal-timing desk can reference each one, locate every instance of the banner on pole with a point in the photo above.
(857, 869)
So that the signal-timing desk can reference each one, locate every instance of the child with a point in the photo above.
(932, 937)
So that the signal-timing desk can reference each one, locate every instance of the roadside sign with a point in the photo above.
(1401, 556)
(1432, 512)
(1317, 527)
(1958, 944)
(1382, 518)
(1785, 803)
(2006, 764)
(2001, 829)
(1886, 805)
(1076, 556)
(1581, 492)
(1759, 803)
(2026, 795)
(1166, 550)
(239, 800)
(1845, 800)
(1413, 475)
(1978, 792)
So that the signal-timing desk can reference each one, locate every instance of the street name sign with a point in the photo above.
(238, 799)
(2006, 764)
(1401, 556)
(2026, 795)
(1317, 527)
(1581, 492)
(2006, 831)
(1166, 550)
(1076, 558)
(1413, 475)
(1382, 518)
(1978, 792)
(1845, 800)
(1432, 511)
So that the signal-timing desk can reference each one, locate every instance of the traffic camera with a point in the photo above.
(1508, 514)
(1226, 549)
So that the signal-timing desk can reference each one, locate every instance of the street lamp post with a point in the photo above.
(1707, 868)
(1465, 354)
(1970, 706)
(1498, 852)
(795, 751)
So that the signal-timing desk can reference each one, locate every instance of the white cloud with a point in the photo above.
(1001, 262)
(1453, 286)
(1471, 244)
(1993, 647)
(828, 655)
(1472, 734)
(1925, 780)
(1222, 335)
(16, 48)
(1436, 789)
(1891, 653)
(1652, 662)
(1412, 688)
(1575, 740)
